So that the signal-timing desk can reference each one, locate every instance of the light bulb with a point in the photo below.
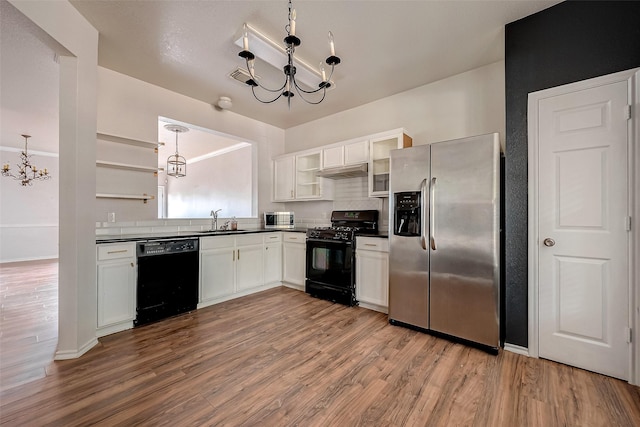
(292, 23)
(245, 37)
(323, 72)
(332, 47)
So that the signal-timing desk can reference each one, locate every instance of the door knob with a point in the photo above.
(549, 242)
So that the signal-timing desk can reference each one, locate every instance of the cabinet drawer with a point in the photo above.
(377, 244)
(295, 237)
(121, 250)
(249, 239)
(214, 242)
(272, 237)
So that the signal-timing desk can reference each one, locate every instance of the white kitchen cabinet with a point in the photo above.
(346, 154)
(116, 286)
(294, 260)
(272, 258)
(217, 273)
(379, 147)
(333, 157)
(372, 273)
(356, 152)
(309, 186)
(295, 178)
(230, 266)
(283, 178)
(249, 264)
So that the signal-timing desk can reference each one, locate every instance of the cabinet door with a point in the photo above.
(294, 263)
(283, 178)
(217, 273)
(272, 263)
(356, 153)
(372, 278)
(248, 267)
(379, 149)
(332, 157)
(116, 292)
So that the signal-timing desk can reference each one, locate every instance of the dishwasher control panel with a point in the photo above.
(162, 247)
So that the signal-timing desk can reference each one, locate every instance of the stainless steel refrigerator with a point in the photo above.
(444, 256)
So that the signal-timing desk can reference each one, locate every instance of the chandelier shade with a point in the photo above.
(176, 164)
(290, 86)
(27, 172)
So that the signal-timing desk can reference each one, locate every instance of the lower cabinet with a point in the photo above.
(294, 260)
(272, 258)
(116, 292)
(372, 273)
(233, 266)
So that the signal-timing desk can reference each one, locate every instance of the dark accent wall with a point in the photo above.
(569, 42)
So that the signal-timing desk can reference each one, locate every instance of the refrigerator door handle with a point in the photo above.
(432, 214)
(423, 198)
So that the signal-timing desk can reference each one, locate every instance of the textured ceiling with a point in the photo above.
(386, 47)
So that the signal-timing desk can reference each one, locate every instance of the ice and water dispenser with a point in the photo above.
(407, 214)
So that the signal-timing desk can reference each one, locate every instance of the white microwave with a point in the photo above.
(279, 220)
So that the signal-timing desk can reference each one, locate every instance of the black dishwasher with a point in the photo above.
(167, 279)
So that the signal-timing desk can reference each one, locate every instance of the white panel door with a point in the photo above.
(583, 239)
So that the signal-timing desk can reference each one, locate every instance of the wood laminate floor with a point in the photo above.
(283, 358)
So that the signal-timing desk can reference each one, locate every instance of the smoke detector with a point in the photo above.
(224, 102)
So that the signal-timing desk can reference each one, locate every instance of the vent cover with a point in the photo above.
(241, 75)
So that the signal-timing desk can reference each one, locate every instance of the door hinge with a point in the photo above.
(627, 112)
(628, 336)
(627, 223)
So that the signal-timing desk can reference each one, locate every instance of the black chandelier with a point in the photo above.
(290, 84)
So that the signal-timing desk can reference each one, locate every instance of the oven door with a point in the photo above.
(330, 262)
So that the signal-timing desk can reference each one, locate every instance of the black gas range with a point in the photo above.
(330, 266)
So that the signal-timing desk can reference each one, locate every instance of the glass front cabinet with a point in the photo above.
(379, 148)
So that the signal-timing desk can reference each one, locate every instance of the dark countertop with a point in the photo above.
(115, 238)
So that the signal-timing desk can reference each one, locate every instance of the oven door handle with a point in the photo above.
(337, 242)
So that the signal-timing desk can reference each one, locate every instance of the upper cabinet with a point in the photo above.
(309, 175)
(350, 153)
(295, 177)
(379, 149)
(283, 178)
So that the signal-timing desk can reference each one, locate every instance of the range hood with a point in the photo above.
(340, 172)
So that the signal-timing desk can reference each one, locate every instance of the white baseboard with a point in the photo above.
(74, 354)
(516, 349)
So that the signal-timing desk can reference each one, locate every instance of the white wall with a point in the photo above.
(471, 103)
(130, 107)
(220, 182)
(29, 99)
(29, 214)
(467, 104)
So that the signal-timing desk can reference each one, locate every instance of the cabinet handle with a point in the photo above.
(238, 254)
(291, 193)
(370, 244)
(234, 255)
(131, 264)
(266, 248)
(118, 252)
(293, 238)
(273, 237)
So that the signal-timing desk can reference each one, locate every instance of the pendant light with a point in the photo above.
(176, 164)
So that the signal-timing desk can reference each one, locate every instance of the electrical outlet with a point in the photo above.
(111, 217)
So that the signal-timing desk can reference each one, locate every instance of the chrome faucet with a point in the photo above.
(214, 220)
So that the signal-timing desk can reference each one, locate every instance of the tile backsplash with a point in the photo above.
(349, 194)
